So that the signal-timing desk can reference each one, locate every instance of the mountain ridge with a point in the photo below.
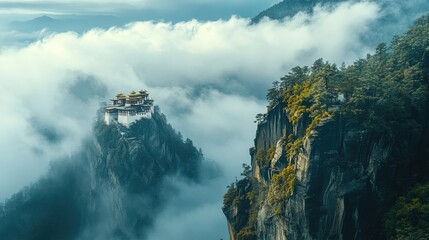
(112, 189)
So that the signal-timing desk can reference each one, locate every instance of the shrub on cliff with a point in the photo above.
(409, 217)
(281, 188)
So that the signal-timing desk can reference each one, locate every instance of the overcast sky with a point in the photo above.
(168, 10)
(208, 77)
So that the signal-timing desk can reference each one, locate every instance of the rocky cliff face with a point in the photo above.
(112, 189)
(269, 133)
(344, 178)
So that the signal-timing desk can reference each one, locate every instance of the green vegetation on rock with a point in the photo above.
(281, 188)
(293, 145)
(263, 158)
(244, 197)
(409, 217)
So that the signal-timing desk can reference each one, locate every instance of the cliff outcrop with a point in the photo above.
(336, 148)
(112, 189)
(345, 179)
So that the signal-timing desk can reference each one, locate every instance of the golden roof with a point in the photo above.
(133, 94)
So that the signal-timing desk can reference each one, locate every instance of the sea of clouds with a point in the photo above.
(209, 78)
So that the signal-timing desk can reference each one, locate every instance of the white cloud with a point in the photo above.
(208, 77)
(193, 213)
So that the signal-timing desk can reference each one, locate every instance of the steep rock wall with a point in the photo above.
(344, 178)
(269, 133)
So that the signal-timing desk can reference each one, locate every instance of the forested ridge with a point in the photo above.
(113, 188)
(386, 93)
(289, 8)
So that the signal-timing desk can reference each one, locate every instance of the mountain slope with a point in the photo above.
(394, 17)
(112, 189)
(288, 8)
(337, 147)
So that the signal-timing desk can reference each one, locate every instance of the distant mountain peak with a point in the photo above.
(40, 20)
(43, 18)
(34, 24)
(288, 8)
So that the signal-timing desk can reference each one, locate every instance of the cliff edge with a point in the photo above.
(337, 147)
